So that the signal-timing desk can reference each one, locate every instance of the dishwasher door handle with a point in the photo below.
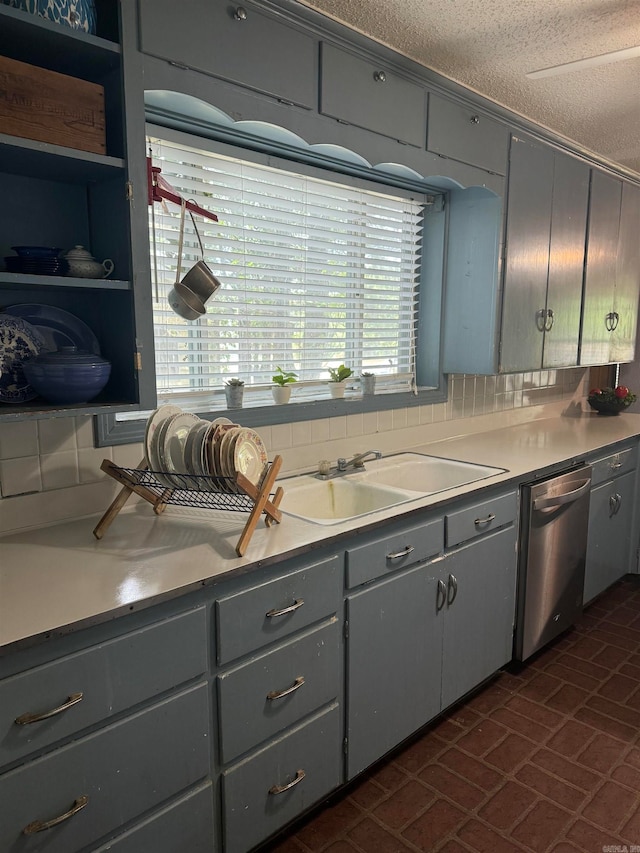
(566, 498)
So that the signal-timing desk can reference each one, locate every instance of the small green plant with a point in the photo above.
(367, 373)
(234, 382)
(284, 377)
(339, 374)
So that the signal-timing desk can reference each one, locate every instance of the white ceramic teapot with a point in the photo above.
(82, 264)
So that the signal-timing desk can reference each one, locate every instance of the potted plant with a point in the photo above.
(338, 377)
(234, 390)
(368, 381)
(282, 382)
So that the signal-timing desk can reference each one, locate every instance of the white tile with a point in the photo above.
(399, 418)
(385, 421)
(20, 476)
(84, 431)
(57, 434)
(413, 416)
(438, 413)
(355, 426)
(18, 439)
(281, 437)
(127, 455)
(426, 414)
(369, 423)
(59, 470)
(89, 462)
(301, 433)
(338, 427)
(320, 430)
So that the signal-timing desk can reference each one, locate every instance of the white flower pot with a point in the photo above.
(281, 394)
(337, 389)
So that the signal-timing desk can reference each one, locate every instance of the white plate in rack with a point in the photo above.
(154, 422)
(173, 437)
(249, 455)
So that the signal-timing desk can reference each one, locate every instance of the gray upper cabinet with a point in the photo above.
(241, 43)
(464, 134)
(369, 94)
(544, 258)
(612, 275)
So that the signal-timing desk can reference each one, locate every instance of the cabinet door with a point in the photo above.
(609, 542)
(527, 255)
(566, 261)
(623, 341)
(478, 617)
(600, 272)
(460, 132)
(370, 95)
(252, 49)
(393, 664)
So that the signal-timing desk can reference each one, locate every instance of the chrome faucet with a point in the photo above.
(358, 460)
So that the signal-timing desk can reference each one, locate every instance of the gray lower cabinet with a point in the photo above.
(610, 524)
(421, 638)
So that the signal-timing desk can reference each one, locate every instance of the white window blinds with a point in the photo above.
(315, 273)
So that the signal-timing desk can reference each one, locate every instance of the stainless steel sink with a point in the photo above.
(384, 483)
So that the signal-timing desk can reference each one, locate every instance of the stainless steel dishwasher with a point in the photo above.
(553, 545)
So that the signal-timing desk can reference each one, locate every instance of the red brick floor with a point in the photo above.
(546, 758)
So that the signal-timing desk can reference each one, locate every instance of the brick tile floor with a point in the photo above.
(546, 757)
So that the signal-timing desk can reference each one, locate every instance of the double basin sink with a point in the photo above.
(384, 483)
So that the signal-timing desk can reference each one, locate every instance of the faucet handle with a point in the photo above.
(324, 467)
(342, 464)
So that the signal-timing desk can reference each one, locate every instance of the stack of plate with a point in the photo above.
(178, 443)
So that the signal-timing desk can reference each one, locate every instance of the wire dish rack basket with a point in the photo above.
(235, 494)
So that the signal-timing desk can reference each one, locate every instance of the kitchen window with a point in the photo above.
(317, 270)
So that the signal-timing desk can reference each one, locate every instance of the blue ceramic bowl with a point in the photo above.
(67, 376)
(36, 251)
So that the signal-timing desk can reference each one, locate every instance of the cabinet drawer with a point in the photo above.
(111, 677)
(186, 824)
(480, 518)
(123, 770)
(464, 134)
(614, 464)
(372, 96)
(257, 51)
(250, 619)
(251, 812)
(311, 661)
(393, 552)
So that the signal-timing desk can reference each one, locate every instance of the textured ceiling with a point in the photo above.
(490, 45)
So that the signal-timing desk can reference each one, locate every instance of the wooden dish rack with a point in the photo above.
(217, 493)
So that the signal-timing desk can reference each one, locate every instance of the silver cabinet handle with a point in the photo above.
(566, 498)
(404, 553)
(548, 325)
(280, 789)
(452, 589)
(615, 501)
(278, 694)
(610, 321)
(475, 119)
(26, 719)
(380, 76)
(541, 319)
(240, 14)
(480, 522)
(441, 595)
(41, 825)
(616, 320)
(295, 606)
(615, 465)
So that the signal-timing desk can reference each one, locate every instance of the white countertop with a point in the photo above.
(55, 577)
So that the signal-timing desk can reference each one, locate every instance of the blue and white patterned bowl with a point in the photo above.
(77, 14)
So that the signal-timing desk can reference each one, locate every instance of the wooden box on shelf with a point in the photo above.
(50, 107)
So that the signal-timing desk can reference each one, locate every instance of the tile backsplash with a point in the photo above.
(50, 470)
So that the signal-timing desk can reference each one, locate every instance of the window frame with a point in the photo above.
(432, 383)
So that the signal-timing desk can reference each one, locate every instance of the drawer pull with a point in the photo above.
(280, 789)
(441, 595)
(480, 522)
(404, 553)
(616, 464)
(278, 694)
(41, 825)
(296, 604)
(25, 719)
